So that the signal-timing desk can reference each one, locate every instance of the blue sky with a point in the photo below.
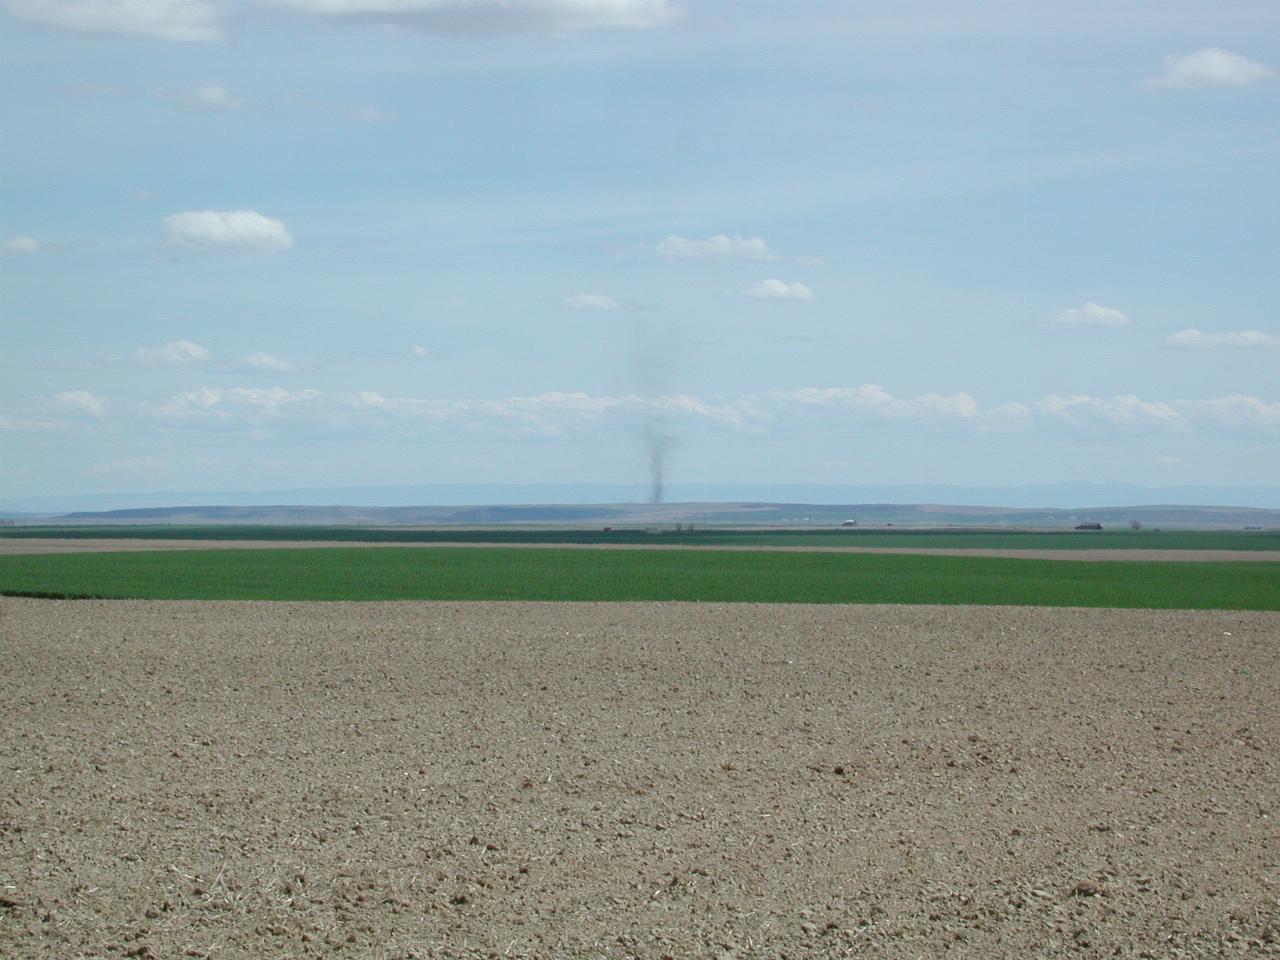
(299, 243)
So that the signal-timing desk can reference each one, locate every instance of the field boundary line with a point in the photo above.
(37, 546)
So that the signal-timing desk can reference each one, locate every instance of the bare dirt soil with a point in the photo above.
(459, 780)
(35, 545)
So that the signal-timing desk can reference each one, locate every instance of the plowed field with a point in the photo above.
(636, 780)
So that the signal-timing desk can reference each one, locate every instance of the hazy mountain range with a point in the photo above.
(1053, 505)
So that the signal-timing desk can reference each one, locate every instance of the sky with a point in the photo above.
(305, 243)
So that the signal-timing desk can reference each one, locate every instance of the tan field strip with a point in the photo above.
(632, 781)
(35, 545)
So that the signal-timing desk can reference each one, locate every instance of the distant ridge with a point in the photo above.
(1066, 496)
(1173, 516)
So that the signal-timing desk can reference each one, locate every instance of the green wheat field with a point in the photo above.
(443, 573)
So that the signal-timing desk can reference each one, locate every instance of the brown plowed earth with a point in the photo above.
(35, 545)
(464, 780)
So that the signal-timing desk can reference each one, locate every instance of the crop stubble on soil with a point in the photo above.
(636, 780)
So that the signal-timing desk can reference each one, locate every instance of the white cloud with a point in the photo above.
(1098, 416)
(590, 301)
(554, 413)
(419, 351)
(564, 413)
(1092, 315)
(873, 399)
(213, 96)
(720, 246)
(548, 414)
(267, 398)
(497, 16)
(1196, 340)
(178, 20)
(778, 290)
(22, 423)
(1210, 67)
(81, 401)
(1241, 411)
(1011, 413)
(201, 397)
(739, 414)
(430, 411)
(1124, 410)
(228, 230)
(367, 114)
(176, 351)
(23, 245)
(216, 404)
(268, 364)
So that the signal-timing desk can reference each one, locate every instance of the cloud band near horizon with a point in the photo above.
(562, 413)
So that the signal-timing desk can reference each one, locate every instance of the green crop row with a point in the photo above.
(590, 575)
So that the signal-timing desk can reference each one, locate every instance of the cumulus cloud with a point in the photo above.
(176, 351)
(81, 401)
(1096, 415)
(497, 16)
(418, 350)
(429, 412)
(368, 114)
(217, 404)
(1210, 67)
(22, 245)
(1196, 340)
(1239, 410)
(741, 414)
(176, 20)
(266, 398)
(199, 398)
(554, 413)
(20, 423)
(213, 96)
(549, 414)
(778, 290)
(590, 301)
(1130, 412)
(562, 413)
(873, 399)
(718, 247)
(266, 363)
(1092, 315)
(228, 230)
(1125, 410)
